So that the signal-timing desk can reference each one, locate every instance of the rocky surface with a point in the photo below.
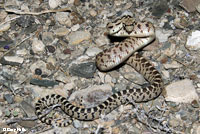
(50, 46)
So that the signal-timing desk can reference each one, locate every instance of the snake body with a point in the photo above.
(139, 34)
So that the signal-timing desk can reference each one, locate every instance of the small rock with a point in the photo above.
(63, 18)
(189, 5)
(44, 83)
(4, 27)
(54, 3)
(18, 99)
(93, 95)
(61, 31)
(37, 46)
(28, 109)
(12, 60)
(40, 65)
(93, 51)
(77, 2)
(38, 71)
(1, 113)
(22, 52)
(108, 79)
(93, 13)
(174, 122)
(193, 41)
(77, 124)
(75, 27)
(102, 40)
(8, 98)
(78, 36)
(27, 124)
(181, 23)
(198, 7)
(67, 51)
(51, 49)
(163, 35)
(85, 70)
(166, 74)
(160, 8)
(51, 60)
(172, 65)
(181, 91)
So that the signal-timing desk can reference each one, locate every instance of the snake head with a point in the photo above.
(121, 27)
(114, 27)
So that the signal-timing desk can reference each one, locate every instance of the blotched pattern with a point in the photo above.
(139, 35)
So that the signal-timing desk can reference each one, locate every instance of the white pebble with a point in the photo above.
(14, 59)
(63, 18)
(54, 3)
(181, 91)
(193, 41)
(93, 51)
(37, 46)
(75, 27)
(163, 35)
(4, 27)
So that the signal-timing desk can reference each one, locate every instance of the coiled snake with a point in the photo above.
(139, 35)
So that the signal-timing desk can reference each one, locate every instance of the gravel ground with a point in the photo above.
(49, 46)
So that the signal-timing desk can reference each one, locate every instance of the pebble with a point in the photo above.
(172, 65)
(75, 27)
(8, 98)
(193, 41)
(63, 18)
(93, 51)
(28, 108)
(51, 60)
(1, 112)
(12, 60)
(54, 3)
(78, 36)
(189, 5)
(93, 13)
(38, 46)
(22, 52)
(77, 124)
(163, 35)
(166, 74)
(92, 95)
(135, 77)
(40, 65)
(38, 71)
(51, 49)
(160, 8)
(62, 31)
(85, 70)
(174, 122)
(181, 91)
(44, 83)
(108, 79)
(4, 27)
(198, 7)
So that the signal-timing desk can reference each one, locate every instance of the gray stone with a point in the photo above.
(85, 70)
(8, 98)
(44, 83)
(12, 60)
(30, 111)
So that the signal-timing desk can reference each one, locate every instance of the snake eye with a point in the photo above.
(110, 27)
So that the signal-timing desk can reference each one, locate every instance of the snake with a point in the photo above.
(138, 34)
